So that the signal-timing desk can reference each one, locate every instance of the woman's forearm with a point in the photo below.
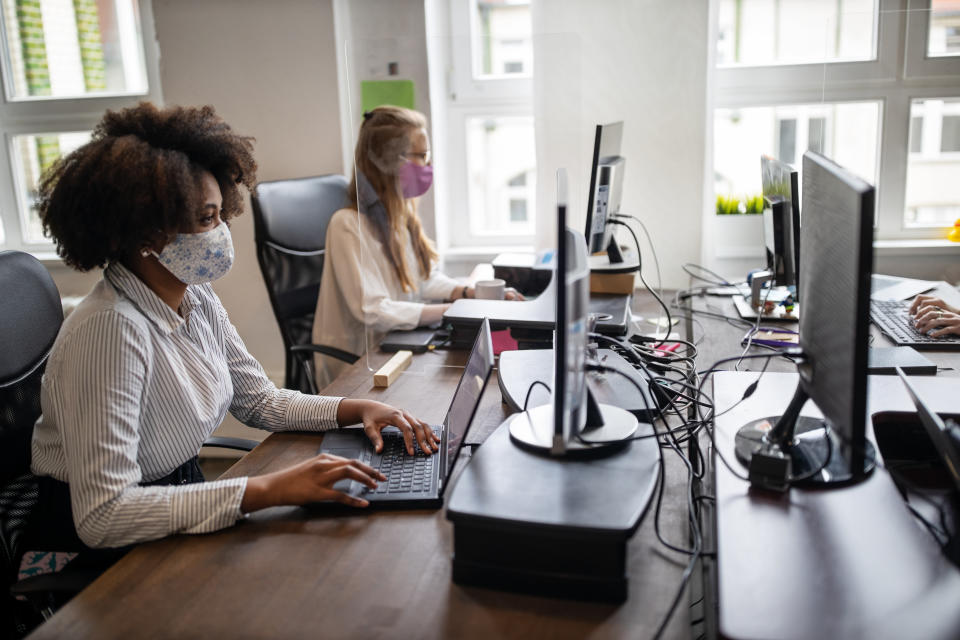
(432, 313)
(350, 411)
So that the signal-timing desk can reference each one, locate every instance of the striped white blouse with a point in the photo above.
(132, 390)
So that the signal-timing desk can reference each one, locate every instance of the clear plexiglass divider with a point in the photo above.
(458, 166)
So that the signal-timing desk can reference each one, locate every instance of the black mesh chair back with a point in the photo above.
(290, 227)
(30, 317)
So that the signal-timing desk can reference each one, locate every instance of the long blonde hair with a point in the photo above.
(384, 136)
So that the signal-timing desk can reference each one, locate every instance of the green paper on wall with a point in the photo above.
(375, 93)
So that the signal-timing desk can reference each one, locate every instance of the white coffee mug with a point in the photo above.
(489, 289)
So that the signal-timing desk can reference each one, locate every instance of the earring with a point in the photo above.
(145, 252)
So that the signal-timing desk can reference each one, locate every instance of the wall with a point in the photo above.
(643, 62)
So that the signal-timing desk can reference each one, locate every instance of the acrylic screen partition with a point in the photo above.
(486, 189)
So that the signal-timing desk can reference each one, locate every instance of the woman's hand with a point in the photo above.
(377, 415)
(936, 321)
(921, 302)
(512, 294)
(469, 292)
(309, 481)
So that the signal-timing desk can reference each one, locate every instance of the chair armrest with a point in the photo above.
(65, 581)
(240, 444)
(333, 352)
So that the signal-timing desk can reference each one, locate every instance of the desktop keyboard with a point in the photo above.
(405, 473)
(894, 320)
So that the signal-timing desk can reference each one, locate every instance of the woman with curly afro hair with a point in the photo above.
(148, 364)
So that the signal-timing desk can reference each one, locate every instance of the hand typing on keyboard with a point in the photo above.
(377, 416)
(935, 317)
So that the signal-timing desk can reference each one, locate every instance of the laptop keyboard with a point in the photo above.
(405, 473)
(894, 319)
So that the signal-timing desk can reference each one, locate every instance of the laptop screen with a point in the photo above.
(936, 430)
(467, 396)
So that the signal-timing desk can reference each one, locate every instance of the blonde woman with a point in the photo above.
(380, 272)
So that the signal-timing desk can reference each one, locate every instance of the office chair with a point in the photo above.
(290, 227)
(30, 319)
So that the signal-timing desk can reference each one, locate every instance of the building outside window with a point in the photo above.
(64, 62)
(830, 75)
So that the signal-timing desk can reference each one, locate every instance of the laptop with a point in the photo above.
(945, 436)
(418, 481)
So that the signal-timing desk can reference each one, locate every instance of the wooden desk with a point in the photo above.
(289, 572)
(849, 562)
(839, 563)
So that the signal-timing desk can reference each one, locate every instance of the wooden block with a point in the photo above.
(385, 376)
(621, 283)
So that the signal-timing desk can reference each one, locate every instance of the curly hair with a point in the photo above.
(140, 177)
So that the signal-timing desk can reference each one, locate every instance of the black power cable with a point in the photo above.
(696, 551)
(666, 309)
(530, 388)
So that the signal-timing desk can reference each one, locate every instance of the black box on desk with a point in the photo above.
(522, 272)
(558, 527)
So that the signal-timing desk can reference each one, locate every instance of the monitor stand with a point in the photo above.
(551, 526)
(792, 449)
(518, 370)
(778, 313)
(535, 429)
(600, 263)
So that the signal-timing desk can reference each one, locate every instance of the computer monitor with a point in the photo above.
(606, 185)
(837, 260)
(558, 426)
(781, 220)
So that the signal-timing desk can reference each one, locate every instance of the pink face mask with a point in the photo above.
(415, 179)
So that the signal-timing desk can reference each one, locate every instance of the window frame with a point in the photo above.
(472, 97)
(901, 73)
(50, 115)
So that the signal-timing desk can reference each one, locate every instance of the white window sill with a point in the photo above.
(914, 246)
(481, 254)
(48, 258)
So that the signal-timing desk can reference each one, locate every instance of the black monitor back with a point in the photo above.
(781, 220)
(606, 153)
(836, 261)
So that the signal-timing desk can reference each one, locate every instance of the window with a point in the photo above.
(491, 155)
(838, 77)
(932, 190)
(950, 134)
(497, 150)
(774, 32)
(502, 41)
(944, 28)
(64, 62)
(916, 134)
(816, 134)
(845, 131)
(786, 143)
(518, 211)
